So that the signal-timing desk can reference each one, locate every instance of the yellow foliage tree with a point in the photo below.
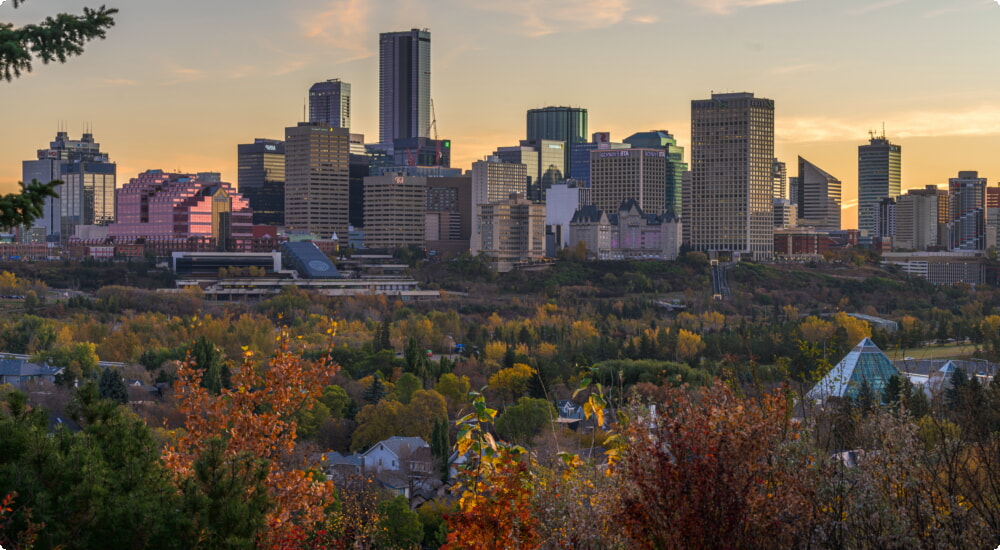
(689, 345)
(514, 381)
(856, 328)
(816, 330)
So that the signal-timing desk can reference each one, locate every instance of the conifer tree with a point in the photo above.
(111, 386)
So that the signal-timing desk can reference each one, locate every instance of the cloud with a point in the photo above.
(982, 120)
(542, 17)
(726, 7)
(874, 6)
(182, 74)
(645, 19)
(343, 25)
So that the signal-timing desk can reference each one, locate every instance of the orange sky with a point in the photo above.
(178, 84)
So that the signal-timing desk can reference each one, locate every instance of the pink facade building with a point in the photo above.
(161, 206)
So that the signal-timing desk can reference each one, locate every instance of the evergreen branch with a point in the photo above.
(56, 38)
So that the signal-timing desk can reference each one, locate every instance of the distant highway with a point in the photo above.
(720, 286)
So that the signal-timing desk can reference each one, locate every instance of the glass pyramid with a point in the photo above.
(865, 362)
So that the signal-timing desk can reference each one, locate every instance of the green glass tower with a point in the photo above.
(661, 139)
(565, 124)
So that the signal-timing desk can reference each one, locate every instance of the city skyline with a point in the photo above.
(156, 102)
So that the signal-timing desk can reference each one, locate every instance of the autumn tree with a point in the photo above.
(716, 471)
(257, 416)
(520, 423)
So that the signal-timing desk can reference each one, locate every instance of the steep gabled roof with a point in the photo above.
(587, 214)
(864, 364)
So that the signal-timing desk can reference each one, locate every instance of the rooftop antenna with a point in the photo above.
(883, 129)
(304, 117)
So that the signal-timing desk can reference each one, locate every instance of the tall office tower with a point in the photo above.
(579, 155)
(732, 189)
(87, 195)
(317, 179)
(662, 139)
(779, 173)
(885, 218)
(494, 180)
(161, 206)
(511, 231)
(261, 179)
(917, 225)
(394, 211)
(330, 103)
(818, 195)
(793, 189)
(404, 85)
(967, 194)
(565, 124)
(879, 173)
(616, 176)
(551, 166)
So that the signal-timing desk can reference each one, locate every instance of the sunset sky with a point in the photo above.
(179, 83)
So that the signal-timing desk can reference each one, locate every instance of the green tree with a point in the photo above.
(520, 423)
(401, 527)
(405, 386)
(336, 400)
(208, 358)
(111, 386)
(376, 391)
(441, 446)
(227, 498)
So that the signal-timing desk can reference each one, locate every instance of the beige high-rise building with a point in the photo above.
(617, 175)
(917, 226)
(317, 179)
(512, 231)
(492, 181)
(395, 206)
(732, 184)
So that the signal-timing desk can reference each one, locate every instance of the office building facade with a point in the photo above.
(675, 167)
(448, 217)
(579, 155)
(494, 180)
(619, 175)
(967, 207)
(330, 103)
(879, 177)
(565, 124)
(917, 223)
(511, 231)
(404, 85)
(394, 211)
(732, 188)
(87, 195)
(261, 179)
(317, 179)
(818, 197)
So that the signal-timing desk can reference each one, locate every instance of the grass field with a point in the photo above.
(946, 351)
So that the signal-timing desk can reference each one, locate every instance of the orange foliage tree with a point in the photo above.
(257, 416)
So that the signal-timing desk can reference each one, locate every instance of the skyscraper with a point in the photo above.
(818, 197)
(662, 139)
(404, 85)
(917, 222)
(732, 188)
(622, 174)
(780, 174)
(330, 103)
(879, 173)
(317, 179)
(261, 179)
(494, 180)
(565, 124)
(967, 206)
(87, 195)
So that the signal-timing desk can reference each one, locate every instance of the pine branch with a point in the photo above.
(56, 38)
(26, 207)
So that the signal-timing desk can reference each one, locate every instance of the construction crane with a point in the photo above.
(411, 158)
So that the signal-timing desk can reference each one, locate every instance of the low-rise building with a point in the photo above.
(629, 234)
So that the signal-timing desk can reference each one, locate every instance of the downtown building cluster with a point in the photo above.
(561, 186)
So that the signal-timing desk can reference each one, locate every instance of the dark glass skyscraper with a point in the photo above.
(879, 175)
(330, 103)
(404, 85)
(262, 179)
(565, 124)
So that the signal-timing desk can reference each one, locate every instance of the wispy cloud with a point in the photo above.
(982, 120)
(958, 8)
(542, 17)
(343, 25)
(646, 19)
(792, 69)
(726, 7)
(181, 74)
(869, 7)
